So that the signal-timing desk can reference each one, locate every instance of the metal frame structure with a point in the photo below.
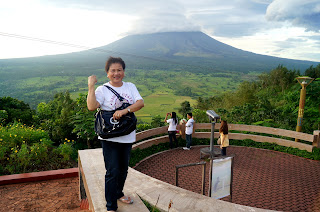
(193, 164)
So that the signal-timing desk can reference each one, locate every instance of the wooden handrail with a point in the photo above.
(260, 129)
(314, 139)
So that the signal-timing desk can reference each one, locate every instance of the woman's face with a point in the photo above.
(115, 74)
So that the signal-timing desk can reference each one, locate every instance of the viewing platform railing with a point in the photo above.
(266, 134)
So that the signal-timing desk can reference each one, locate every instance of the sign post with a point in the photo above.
(221, 177)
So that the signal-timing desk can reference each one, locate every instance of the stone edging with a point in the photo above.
(39, 176)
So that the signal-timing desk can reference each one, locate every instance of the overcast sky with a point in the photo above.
(282, 28)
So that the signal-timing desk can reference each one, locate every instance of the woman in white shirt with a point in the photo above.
(172, 129)
(116, 151)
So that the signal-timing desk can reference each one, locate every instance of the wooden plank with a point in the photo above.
(205, 135)
(282, 142)
(202, 126)
(150, 142)
(151, 132)
(258, 138)
(260, 129)
(271, 130)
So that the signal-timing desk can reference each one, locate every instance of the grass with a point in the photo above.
(160, 104)
(149, 206)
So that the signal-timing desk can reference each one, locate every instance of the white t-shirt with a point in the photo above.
(109, 101)
(172, 125)
(189, 126)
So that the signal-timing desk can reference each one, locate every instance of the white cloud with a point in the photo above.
(304, 13)
(285, 42)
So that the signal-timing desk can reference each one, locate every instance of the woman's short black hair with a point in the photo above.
(112, 60)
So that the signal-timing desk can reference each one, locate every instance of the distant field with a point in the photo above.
(163, 91)
(160, 104)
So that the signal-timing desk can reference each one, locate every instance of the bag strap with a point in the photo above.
(115, 93)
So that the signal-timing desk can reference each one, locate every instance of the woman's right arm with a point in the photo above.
(92, 102)
(165, 120)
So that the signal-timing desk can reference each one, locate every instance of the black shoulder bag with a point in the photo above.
(107, 127)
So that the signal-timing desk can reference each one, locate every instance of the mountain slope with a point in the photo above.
(193, 51)
(160, 62)
(198, 49)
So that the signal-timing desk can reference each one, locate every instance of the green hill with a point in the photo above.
(173, 65)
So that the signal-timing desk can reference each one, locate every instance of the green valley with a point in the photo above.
(162, 91)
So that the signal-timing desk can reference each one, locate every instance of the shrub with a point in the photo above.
(143, 127)
(26, 149)
(66, 150)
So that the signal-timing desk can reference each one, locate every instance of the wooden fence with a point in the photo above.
(265, 134)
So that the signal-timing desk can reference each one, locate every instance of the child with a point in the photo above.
(224, 140)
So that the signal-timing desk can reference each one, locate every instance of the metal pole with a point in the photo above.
(177, 173)
(210, 178)
(212, 139)
(231, 180)
(203, 178)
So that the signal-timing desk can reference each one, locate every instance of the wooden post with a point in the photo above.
(305, 81)
(316, 139)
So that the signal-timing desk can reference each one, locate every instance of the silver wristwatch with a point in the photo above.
(129, 111)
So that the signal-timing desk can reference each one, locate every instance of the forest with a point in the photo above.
(52, 133)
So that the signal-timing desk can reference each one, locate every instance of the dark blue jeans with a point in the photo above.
(116, 161)
(189, 140)
(172, 136)
(224, 151)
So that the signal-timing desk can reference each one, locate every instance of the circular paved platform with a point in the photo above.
(261, 178)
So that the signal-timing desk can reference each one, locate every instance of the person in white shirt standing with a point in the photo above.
(116, 151)
(189, 130)
(172, 129)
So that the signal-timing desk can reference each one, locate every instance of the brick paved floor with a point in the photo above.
(262, 178)
(52, 195)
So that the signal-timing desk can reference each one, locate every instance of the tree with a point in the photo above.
(83, 121)
(185, 108)
(56, 117)
(313, 72)
(157, 121)
(278, 79)
(15, 110)
(200, 116)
